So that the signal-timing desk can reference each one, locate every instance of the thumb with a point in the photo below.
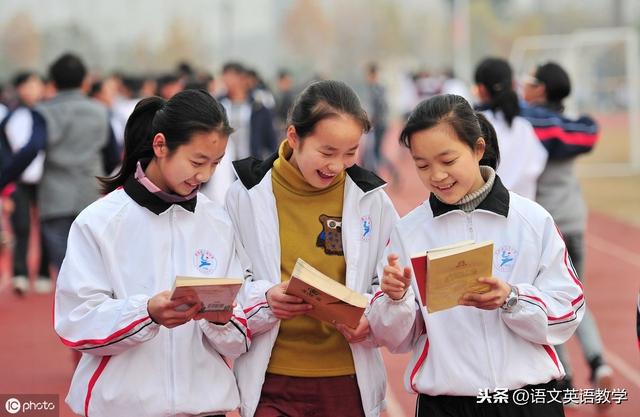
(488, 280)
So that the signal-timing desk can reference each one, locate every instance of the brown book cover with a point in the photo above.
(216, 294)
(444, 274)
(332, 302)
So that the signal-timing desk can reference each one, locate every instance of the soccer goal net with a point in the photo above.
(604, 67)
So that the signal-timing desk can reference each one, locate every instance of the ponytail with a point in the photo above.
(138, 141)
(495, 75)
(507, 102)
(491, 155)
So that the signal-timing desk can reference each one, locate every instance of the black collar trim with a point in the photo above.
(251, 171)
(150, 201)
(497, 201)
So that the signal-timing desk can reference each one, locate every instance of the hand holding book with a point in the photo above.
(447, 275)
(214, 298)
(494, 298)
(162, 309)
(283, 305)
(357, 335)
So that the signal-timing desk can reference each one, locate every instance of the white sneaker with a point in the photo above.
(603, 380)
(43, 285)
(20, 284)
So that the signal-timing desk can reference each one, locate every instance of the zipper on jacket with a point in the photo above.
(172, 370)
(469, 226)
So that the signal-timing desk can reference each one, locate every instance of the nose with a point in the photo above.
(439, 175)
(204, 174)
(336, 166)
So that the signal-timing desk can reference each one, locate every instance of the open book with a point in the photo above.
(216, 295)
(332, 302)
(444, 274)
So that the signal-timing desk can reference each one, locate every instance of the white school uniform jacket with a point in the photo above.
(368, 217)
(464, 349)
(123, 249)
(522, 156)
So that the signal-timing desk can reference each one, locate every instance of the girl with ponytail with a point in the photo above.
(497, 343)
(524, 156)
(141, 354)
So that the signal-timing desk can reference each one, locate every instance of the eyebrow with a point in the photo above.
(331, 148)
(444, 153)
(203, 156)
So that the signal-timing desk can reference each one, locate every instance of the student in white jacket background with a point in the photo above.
(140, 356)
(523, 156)
(500, 341)
(311, 201)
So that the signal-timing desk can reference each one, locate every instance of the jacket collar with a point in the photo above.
(150, 201)
(497, 201)
(250, 171)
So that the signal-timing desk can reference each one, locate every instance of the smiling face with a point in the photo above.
(447, 166)
(191, 164)
(327, 151)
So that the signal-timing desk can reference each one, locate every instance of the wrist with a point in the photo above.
(511, 300)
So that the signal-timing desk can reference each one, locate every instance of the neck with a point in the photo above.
(152, 172)
(469, 202)
(238, 96)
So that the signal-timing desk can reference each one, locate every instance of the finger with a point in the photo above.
(407, 274)
(492, 281)
(392, 259)
(392, 271)
(480, 298)
(285, 298)
(294, 308)
(394, 284)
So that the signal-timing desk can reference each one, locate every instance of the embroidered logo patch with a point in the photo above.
(204, 261)
(366, 227)
(505, 258)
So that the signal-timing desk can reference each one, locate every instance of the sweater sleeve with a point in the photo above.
(562, 136)
(87, 316)
(549, 309)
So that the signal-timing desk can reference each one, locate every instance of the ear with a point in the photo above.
(480, 91)
(292, 138)
(160, 149)
(479, 148)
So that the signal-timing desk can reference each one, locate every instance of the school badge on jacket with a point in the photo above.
(365, 228)
(506, 258)
(204, 261)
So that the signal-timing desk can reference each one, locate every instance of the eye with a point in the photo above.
(350, 154)
(451, 162)
(423, 167)
(197, 164)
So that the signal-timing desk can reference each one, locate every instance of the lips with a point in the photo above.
(444, 187)
(192, 186)
(325, 175)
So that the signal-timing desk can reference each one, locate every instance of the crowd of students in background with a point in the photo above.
(57, 134)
